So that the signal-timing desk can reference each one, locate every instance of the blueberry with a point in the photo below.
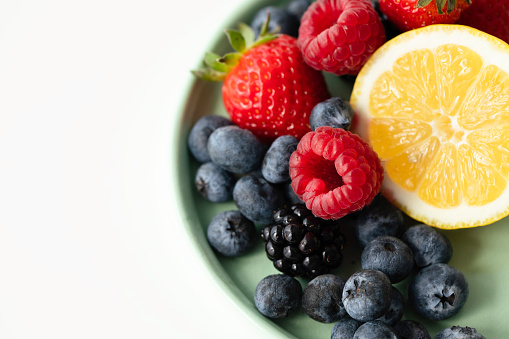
(214, 183)
(256, 198)
(321, 299)
(428, 245)
(276, 163)
(438, 291)
(375, 329)
(345, 328)
(396, 309)
(410, 329)
(389, 255)
(457, 332)
(290, 194)
(367, 295)
(334, 112)
(235, 149)
(276, 295)
(230, 233)
(287, 22)
(378, 218)
(297, 7)
(199, 135)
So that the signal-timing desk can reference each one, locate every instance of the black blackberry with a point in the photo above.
(300, 244)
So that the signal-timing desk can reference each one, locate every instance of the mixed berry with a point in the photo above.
(299, 177)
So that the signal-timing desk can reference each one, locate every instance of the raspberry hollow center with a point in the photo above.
(326, 172)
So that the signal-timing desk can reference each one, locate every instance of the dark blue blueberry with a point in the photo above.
(290, 194)
(367, 295)
(257, 199)
(396, 309)
(428, 245)
(410, 329)
(321, 299)
(276, 295)
(375, 329)
(458, 332)
(334, 112)
(438, 292)
(199, 135)
(345, 328)
(297, 7)
(214, 183)
(279, 17)
(235, 149)
(377, 219)
(276, 163)
(389, 255)
(230, 233)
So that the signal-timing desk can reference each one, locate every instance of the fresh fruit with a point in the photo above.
(200, 133)
(378, 219)
(375, 329)
(428, 245)
(345, 328)
(438, 292)
(433, 103)
(214, 183)
(256, 198)
(275, 165)
(276, 295)
(335, 172)
(300, 244)
(390, 30)
(411, 329)
(334, 112)
(281, 21)
(367, 295)
(458, 332)
(297, 7)
(268, 88)
(396, 308)
(338, 36)
(230, 233)
(321, 299)
(412, 14)
(488, 16)
(389, 255)
(235, 149)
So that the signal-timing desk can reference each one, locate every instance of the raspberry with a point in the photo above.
(338, 36)
(335, 172)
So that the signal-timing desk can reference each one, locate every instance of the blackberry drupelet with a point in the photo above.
(300, 244)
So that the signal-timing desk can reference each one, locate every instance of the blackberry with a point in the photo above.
(300, 244)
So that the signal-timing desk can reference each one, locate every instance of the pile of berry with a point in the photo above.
(287, 159)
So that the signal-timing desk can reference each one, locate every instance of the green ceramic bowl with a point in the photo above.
(480, 253)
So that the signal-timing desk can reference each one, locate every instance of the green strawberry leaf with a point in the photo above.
(422, 3)
(230, 59)
(248, 34)
(451, 4)
(213, 60)
(209, 74)
(236, 39)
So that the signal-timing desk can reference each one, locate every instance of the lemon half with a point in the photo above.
(434, 104)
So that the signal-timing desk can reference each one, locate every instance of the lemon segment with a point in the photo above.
(434, 104)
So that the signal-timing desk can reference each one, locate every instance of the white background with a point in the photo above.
(89, 244)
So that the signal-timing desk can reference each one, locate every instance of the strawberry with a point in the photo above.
(488, 16)
(411, 14)
(267, 87)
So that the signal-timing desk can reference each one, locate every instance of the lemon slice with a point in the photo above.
(434, 104)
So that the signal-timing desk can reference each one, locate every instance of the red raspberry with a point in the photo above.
(338, 36)
(335, 172)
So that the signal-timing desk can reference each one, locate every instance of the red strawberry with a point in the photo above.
(268, 88)
(411, 14)
(488, 16)
(338, 36)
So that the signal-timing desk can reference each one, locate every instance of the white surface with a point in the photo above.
(89, 241)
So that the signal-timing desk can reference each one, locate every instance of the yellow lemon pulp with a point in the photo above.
(434, 105)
